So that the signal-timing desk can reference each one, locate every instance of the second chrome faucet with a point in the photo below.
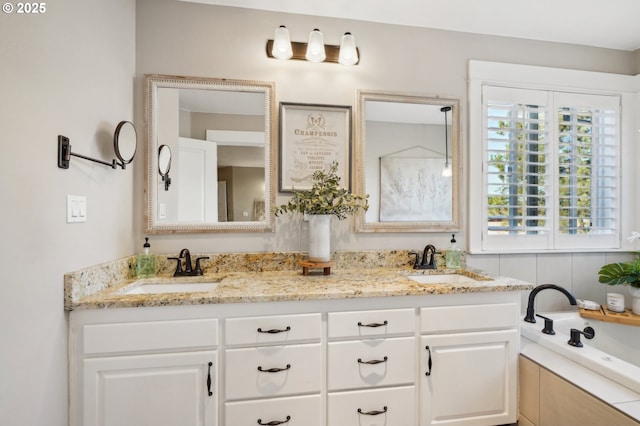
(189, 270)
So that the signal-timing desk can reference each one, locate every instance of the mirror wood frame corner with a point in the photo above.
(371, 221)
(263, 218)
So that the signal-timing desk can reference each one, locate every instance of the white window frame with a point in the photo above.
(558, 80)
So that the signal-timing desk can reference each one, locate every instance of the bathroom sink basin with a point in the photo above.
(443, 279)
(160, 288)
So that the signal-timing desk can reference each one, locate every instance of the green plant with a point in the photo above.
(621, 273)
(325, 197)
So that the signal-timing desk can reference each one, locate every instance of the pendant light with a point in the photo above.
(315, 47)
(282, 44)
(446, 169)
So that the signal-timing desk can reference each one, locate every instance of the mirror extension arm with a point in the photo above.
(64, 155)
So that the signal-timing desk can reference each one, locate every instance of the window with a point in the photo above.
(551, 170)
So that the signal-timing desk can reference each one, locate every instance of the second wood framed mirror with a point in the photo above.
(408, 161)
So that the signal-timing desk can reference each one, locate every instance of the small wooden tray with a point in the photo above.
(606, 315)
(325, 265)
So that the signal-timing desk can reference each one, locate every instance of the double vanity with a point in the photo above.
(249, 343)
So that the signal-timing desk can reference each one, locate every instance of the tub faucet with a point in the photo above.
(428, 258)
(189, 270)
(530, 317)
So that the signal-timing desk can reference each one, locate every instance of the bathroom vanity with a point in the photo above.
(274, 348)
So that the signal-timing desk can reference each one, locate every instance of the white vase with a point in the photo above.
(319, 237)
(635, 300)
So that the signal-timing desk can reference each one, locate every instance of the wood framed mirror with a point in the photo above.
(220, 136)
(404, 144)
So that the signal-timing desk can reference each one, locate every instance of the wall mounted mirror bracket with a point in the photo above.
(64, 155)
(124, 144)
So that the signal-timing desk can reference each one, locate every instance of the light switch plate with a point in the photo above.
(76, 208)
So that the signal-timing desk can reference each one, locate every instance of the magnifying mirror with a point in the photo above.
(164, 165)
(125, 142)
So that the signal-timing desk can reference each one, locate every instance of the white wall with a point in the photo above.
(68, 71)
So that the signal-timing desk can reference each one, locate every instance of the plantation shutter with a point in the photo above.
(550, 170)
(517, 165)
(588, 170)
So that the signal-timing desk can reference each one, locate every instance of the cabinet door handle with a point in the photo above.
(428, 373)
(373, 324)
(373, 361)
(274, 330)
(373, 413)
(209, 379)
(275, 422)
(274, 370)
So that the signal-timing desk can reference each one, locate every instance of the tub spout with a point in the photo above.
(530, 317)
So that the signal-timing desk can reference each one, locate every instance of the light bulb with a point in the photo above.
(315, 47)
(282, 44)
(446, 170)
(348, 51)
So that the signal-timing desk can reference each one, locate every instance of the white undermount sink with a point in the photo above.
(443, 279)
(159, 288)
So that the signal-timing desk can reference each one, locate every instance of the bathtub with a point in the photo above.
(612, 356)
(614, 352)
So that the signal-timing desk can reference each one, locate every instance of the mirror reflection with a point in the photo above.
(164, 165)
(407, 162)
(216, 139)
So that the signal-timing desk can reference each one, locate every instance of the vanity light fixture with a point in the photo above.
(281, 47)
(446, 169)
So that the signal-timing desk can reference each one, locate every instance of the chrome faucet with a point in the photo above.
(428, 258)
(189, 270)
(530, 317)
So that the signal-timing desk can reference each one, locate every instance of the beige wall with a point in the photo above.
(68, 71)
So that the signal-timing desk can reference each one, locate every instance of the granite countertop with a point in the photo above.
(288, 285)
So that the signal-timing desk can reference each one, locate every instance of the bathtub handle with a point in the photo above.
(548, 325)
(588, 333)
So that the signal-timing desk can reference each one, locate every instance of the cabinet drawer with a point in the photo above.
(448, 319)
(150, 336)
(371, 323)
(291, 369)
(397, 406)
(346, 372)
(272, 329)
(299, 410)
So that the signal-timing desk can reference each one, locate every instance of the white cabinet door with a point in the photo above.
(151, 390)
(469, 378)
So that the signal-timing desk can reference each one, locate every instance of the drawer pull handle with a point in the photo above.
(428, 373)
(274, 330)
(209, 380)
(373, 324)
(274, 370)
(374, 412)
(275, 422)
(373, 361)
